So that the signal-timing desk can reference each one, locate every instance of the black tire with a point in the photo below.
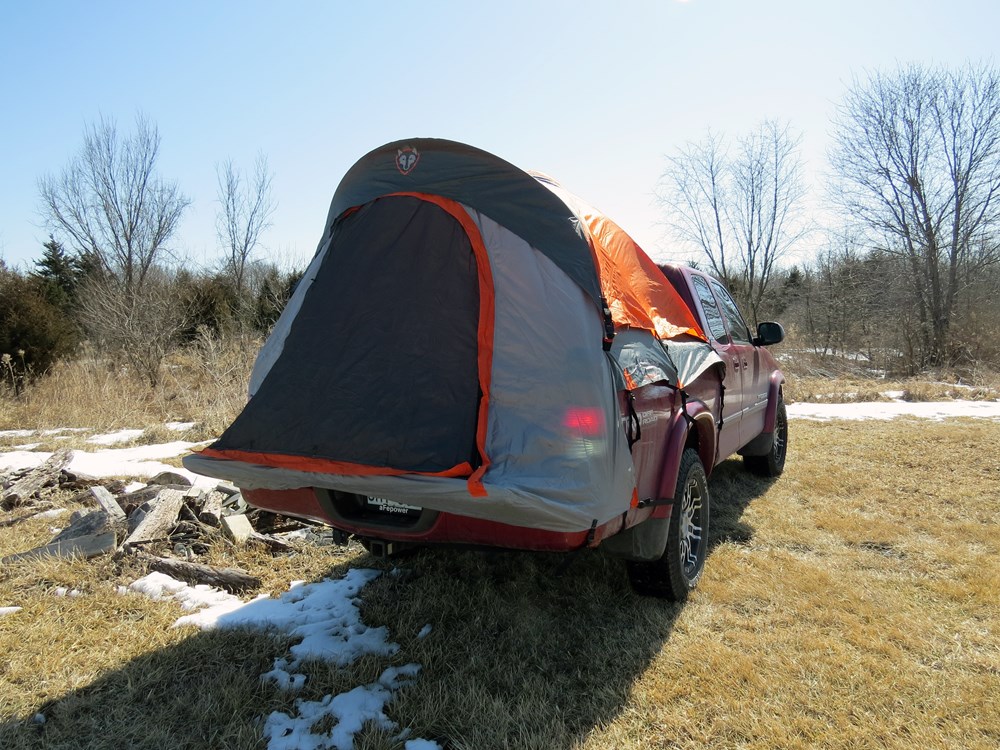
(678, 570)
(772, 463)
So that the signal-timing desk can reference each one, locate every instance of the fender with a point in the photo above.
(677, 439)
(773, 394)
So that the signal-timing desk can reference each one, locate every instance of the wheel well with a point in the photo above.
(702, 438)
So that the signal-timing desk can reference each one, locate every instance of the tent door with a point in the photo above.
(381, 366)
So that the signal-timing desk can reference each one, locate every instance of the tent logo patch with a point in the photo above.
(406, 159)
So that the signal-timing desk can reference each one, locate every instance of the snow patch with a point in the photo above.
(324, 619)
(16, 433)
(350, 711)
(8, 610)
(936, 410)
(53, 513)
(139, 461)
(160, 586)
(421, 745)
(17, 460)
(113, 438)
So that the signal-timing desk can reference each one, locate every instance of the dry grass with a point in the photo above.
(844, 390)
(854, 603)
(840, 379)
(204, 383)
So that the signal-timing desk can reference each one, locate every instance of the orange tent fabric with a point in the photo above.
(637, 292)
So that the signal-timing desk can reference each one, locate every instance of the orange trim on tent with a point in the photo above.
(636, 290)
(325, 465)
(487, 314)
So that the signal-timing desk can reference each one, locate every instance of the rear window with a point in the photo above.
(713, 316)
(737, 327)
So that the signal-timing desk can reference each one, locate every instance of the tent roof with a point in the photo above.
(590, 248)
(487, 183)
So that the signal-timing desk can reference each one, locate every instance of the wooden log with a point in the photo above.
(87, 547)
(237, 528)
(89, 524)
(28, 486)
(104, 500)
(211, 508)
(160, 517)
(233, 580)
(170, 478)
(272, 542)
(37, 509)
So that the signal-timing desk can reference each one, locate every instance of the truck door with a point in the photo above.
(745, 355)
(732, 355)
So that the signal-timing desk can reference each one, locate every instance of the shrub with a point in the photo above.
(34, 332)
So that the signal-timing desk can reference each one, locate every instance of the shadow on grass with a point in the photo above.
(521, 654)
(733, 489)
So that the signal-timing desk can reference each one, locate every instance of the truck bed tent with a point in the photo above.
(451, 345)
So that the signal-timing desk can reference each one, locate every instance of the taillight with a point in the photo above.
(584, 421)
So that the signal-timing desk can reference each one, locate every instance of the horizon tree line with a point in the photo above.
(909, 278)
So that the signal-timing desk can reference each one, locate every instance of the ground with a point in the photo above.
(852, 603)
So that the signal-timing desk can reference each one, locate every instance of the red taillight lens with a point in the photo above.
(584, 421)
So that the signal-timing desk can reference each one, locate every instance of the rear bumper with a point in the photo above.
(431, 527)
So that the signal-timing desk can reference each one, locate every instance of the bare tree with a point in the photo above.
(113, 209)
(696, 187)
(918, 156)
(738, 205)
(245, 213)
(110, 203)
(140, 328)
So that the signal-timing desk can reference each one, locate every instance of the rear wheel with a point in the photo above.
(677, 571)
(772, 463)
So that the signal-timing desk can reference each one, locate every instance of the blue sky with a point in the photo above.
(595, 94)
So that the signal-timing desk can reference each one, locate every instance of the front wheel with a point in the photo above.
(677, 571)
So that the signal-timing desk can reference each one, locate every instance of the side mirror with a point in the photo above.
(769, 333)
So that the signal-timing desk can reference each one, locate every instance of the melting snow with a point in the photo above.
(16, 433)
(139, 461)
(113, 438)
(53, 513)
(937, 410)
(324, 619)
(350, 710)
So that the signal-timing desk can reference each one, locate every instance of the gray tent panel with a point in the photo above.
(643, 358)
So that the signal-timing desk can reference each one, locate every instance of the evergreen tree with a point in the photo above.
(59, 273)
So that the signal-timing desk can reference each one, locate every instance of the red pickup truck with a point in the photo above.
(737, 408)
(476, 356)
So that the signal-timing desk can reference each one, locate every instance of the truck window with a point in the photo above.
(712, 314)
(737, 327)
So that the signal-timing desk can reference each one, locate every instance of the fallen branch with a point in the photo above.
(87, 546)
(232, 580)
(37, 510)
